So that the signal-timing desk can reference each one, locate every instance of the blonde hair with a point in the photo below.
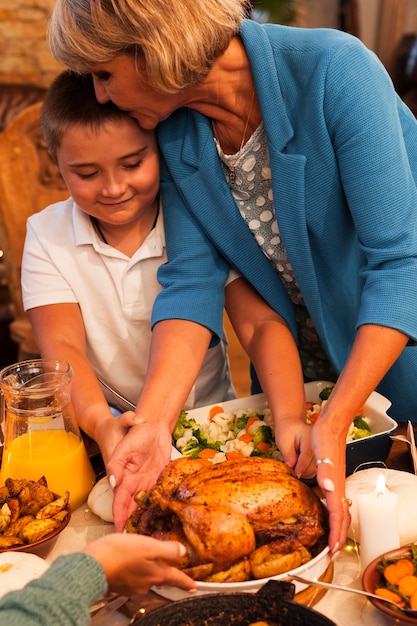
(177, 41)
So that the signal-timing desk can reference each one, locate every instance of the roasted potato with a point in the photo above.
(10, 542)
(237, 573)
(15, 529)
(199, 572)
(29, 511)
(267, 561)
(38, 528)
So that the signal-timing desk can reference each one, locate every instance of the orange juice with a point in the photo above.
(58, 455)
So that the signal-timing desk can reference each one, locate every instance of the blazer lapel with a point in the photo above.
(288, 169)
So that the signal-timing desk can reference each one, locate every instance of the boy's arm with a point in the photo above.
(273, 352)
(59, 332)
(177, 353)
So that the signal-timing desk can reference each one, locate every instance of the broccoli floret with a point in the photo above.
(191, 449)
(263, 433)
(182, 424)
(325, 393)
(205, 440)
(361, 424)
(256, 452)
(360, 433)
(240, 423)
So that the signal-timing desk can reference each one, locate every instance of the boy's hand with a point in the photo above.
(136, 464)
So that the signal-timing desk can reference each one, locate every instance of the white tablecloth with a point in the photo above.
(343, 608)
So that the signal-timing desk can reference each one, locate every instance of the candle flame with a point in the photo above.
(380, 485)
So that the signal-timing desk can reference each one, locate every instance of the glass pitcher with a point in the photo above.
(41, 435)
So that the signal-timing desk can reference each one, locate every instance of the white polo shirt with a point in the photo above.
(65, 261)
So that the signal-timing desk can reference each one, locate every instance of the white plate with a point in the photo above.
(313, 569)
(19, 568)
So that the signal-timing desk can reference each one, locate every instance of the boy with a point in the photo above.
(89, 271)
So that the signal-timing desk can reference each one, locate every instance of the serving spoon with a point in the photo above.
(319, 583)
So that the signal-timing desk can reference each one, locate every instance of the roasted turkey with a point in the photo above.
(233, 516)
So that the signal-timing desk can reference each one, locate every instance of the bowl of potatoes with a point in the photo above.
(31, 516)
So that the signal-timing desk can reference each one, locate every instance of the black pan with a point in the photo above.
(272, 604)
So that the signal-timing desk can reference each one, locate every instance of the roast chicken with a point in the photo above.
(237, 519)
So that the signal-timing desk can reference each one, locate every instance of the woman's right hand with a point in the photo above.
(134, 563)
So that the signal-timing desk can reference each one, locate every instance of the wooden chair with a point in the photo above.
(29, 181)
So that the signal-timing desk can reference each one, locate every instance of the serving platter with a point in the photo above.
(317, 567)
(376, 447)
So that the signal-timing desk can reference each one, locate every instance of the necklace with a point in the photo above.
(232, 165)
(100, 232)
(98, 229)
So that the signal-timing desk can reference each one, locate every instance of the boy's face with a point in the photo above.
(112, 172)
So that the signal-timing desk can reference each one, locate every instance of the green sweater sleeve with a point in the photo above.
(61, 596)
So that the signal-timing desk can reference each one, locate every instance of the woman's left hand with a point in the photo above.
(330, 458)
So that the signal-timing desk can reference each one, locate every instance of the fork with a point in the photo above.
(319, 583)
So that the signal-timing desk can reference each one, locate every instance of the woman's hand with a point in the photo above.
(293, 439)
(330, 456)
(136, 464)
(134, 563)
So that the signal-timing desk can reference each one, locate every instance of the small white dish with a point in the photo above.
(19, 568)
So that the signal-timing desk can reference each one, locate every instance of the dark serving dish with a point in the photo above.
(272, 604)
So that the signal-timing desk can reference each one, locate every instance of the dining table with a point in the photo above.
(343, 608)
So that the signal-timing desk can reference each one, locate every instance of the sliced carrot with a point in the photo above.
(245, 437)
(314, 417)
(214, 411)
(309, 405)
(262, 446)
(407, 585)
(395, 571)
(207, 453)
(233, 454)
(251, 421)
(206, 462)
(387, 594)
(413, 601)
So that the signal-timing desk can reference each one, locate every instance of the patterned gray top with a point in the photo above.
(252, 191)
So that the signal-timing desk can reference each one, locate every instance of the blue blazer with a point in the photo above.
(343, 155)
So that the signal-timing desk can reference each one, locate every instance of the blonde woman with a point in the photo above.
(287, 154)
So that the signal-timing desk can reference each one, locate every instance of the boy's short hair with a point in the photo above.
(70, 101)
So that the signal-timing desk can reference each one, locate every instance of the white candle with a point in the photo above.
(378, 522)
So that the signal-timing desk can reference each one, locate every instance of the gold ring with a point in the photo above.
(347, 500)
(325, 461)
